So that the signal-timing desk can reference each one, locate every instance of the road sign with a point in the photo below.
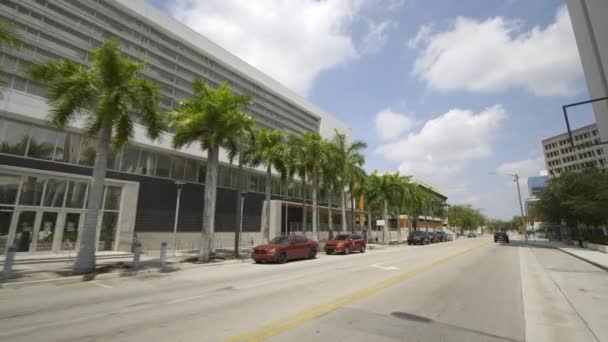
(379, 222)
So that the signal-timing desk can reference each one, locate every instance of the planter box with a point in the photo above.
(597, 247)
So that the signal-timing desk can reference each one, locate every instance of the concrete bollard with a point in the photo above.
(8, 261)
(136, 255)
(163, 254)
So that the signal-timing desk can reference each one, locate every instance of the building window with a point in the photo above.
(14, 138)
(9, 186)
(163, 165)
(112, 198)
(54, 193)
(76, 196)
(31, 191)
(177, 168)
(147, 161)
(130, 159)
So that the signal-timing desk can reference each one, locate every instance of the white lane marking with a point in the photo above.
(102, 285)
(386, 268)
(187, 298)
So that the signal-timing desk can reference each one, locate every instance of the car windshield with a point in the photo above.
(279, 240)
(342, 237)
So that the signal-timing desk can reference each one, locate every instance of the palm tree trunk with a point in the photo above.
(266, 233)
(304, 204)
(315, 221)
(209, 204)
(369, 222)
(385, 217)
(330, 220)
(343, 210)
(353, 210)
(85, 262)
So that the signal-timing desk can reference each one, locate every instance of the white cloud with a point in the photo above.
(376, 36)
(525, 168)
(496, 54)
(391, 125)
(446, 143)
(291, 41)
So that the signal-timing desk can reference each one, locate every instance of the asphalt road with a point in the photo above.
(466, 290)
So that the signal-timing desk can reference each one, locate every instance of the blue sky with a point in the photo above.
(445, 90)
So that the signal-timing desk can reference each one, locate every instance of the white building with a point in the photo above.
(561, 157)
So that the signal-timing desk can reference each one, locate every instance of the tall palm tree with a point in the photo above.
(403, 198)
(8, 36)
(309, 151)
(268, 148)
(330, 180)
(383, 187)
(350, 172)
(213, 118)
(112, 96)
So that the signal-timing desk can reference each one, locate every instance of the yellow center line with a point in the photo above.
(294, 320)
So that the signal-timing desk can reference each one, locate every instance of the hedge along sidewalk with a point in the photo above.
(593, 257)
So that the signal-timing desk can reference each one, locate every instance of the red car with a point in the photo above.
(284, 248)
(346, 243)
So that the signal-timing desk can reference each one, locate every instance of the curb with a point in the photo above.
(174, 267)
(603, 267)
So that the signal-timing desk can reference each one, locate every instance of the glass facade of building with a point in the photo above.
(537, 184)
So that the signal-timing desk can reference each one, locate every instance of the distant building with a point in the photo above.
(591, 31)
(561, 157)
(537, 184)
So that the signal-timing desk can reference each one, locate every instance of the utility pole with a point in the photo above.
(521, 207)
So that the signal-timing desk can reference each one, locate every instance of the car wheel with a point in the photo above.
(363, 249)
(328, 252)
(258, 261)
(312, 254)
(346, 250)
(282, 258)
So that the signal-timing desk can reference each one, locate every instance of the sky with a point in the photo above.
(457, 93)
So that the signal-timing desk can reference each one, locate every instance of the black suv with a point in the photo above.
(501, 236)
(418, 238)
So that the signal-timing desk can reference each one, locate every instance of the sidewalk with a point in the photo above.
(38, 269)
(595, 258)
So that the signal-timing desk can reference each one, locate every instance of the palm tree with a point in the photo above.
(267, 148)
(295, 165)
(8, 36)
(350, 172)
(383, 187)
(112, 96)
(403, 197)
(213, 118)
(309, 151)
(330, 180)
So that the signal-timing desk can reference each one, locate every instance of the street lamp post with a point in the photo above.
(179, 185)
(239, 229)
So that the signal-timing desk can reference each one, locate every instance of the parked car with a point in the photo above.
(442, 236)
(433, 238)
(284, 248)
(418, 238)
(501, 236)
(346, 243)
(472, 235)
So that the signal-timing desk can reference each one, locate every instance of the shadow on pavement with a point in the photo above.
(425, 320)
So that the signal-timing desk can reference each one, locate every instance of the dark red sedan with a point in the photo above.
(346, 243)
(284, 248)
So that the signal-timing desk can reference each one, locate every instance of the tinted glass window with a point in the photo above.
(300, 239)
(9, 185)
(279, 240)
(42, 143)
(14, 138)
(342, 237)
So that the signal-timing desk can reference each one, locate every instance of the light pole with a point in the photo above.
(239, 229)
(521, 206)
(179, 185)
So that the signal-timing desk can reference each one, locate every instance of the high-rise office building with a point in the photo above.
(44, 172)
(560, 156)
